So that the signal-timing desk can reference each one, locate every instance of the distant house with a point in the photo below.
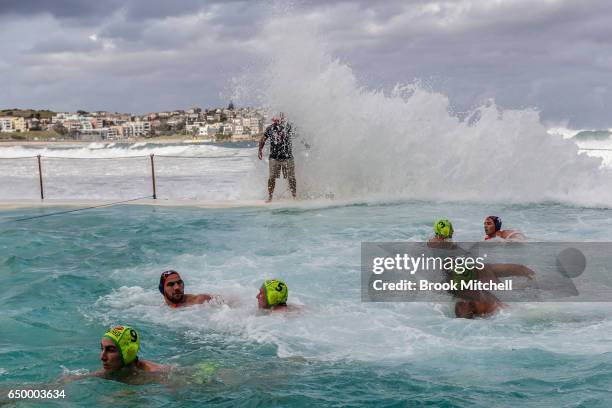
(191, 118)
(12, 124)
(6, 124)
(214, 128)
(237, 129)
(115, 132)
(195, 126)
(141, 128)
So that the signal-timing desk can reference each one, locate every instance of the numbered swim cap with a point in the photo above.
(127, 341)
(443, 228)
(276, 292)
(497, 221)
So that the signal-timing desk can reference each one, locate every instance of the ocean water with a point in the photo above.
(69, 277)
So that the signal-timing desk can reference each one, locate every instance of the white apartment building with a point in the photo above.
(114, 132)
(237, 129)
(142, 128)
(192, 118)
(195, 126)
(136, 129)
(6, 124)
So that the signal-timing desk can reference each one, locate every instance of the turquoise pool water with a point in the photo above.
(67, 278)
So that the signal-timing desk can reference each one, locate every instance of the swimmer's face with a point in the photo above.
(464, 310)
(174, 288)
(489, 226)
(262, 302)
(110, 355)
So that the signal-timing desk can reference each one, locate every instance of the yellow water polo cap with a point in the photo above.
(127, 341)
(276, 292)
(443, 228)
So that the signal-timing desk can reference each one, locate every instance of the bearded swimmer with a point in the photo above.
(492, 228)
(172, 287)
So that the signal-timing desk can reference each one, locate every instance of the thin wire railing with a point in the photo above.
(152, 160)
(151, 156)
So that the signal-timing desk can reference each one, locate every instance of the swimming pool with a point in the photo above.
(69, 277)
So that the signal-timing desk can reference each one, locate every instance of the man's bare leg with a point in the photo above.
(271, 184)
(293, 187)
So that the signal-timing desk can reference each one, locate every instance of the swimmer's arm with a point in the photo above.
(75, 377)
(516, 235)
(205, 297)
(202, 297)
(506, 270)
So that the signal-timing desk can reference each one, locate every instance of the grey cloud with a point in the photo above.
(57, 8)
(133, 9)
(59, 45)
(555, 56)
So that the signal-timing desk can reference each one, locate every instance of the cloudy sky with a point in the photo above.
(147, 55)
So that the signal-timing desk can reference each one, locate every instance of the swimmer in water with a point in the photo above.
(172, 287)
(273, 295)
(484, 306)
(481, 303)
(443, 235)
(119, 356)
(119, 353)
(492, 228)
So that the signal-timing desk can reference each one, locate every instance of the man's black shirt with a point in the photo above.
(280, 141)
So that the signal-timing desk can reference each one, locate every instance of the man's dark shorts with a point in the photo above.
(286, 166)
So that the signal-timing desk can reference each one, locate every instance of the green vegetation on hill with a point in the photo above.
(28, 113)
(42, 135)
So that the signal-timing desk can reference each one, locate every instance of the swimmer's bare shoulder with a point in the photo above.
(441, 244)
(286, 309)
(141, 365)
(151, 367)
(513, 235)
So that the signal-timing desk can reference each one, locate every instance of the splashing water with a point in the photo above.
(405, 143)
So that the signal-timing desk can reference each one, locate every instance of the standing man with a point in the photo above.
(281, 156)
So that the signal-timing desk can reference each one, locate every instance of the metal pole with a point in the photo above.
(42, 194)
(153, 176)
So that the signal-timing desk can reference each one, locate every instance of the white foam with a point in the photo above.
(405, 143)
(394, 332)
(353, 143)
